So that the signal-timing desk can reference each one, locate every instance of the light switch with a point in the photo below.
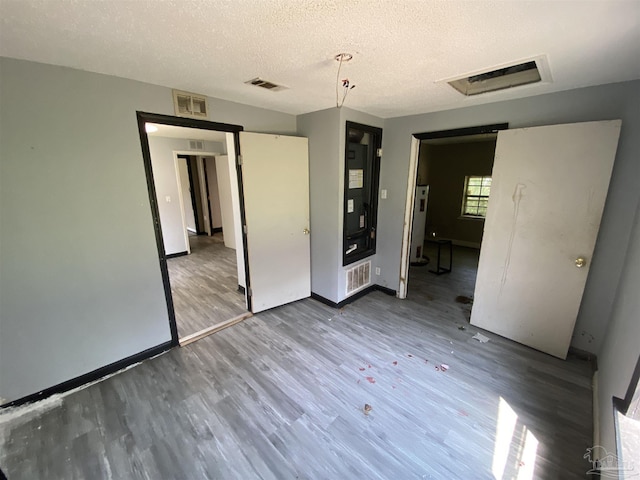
(383, 193)
(167, 199)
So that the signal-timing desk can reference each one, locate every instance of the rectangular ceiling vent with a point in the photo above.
(190, 105)
(258, 82)
(196, 144)
(509, 76)
(358, 277)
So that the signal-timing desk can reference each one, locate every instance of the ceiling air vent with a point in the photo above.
(190, 104)
(502, 78)
(258, 82)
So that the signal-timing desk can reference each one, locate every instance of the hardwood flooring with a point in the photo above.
(282, 396)
(204, 285)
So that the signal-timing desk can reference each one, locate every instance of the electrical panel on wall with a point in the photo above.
(190, 104)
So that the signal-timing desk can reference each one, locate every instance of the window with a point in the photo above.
(476, 196)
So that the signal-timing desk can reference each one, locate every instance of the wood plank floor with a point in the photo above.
(204, 285)
(282, 395)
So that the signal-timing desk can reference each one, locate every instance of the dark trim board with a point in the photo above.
(354, 297)
(145, 117)
(216, 230)
(461, 132)
(92, 376)
(179, 254)
(623, 404)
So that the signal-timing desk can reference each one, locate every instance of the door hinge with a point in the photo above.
(379, 152)
(239, 160)
(244, 229)
(249, 292)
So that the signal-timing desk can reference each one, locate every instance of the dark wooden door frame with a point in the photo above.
(146, 117)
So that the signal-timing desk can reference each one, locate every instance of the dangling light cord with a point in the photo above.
(338, 80)
(345, 82)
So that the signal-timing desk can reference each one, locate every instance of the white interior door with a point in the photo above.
(275, 179)
(548, 191)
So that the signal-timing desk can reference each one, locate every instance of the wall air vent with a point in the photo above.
(515, 75)
(358, 277)
(258, 82)
(190, 104)
(196, 144)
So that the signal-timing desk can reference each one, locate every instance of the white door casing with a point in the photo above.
(549, 186)
(275, 178)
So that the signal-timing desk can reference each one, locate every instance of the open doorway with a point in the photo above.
(449, 190)
(194, 187)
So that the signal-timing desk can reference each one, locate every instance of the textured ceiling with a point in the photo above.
(402, 49)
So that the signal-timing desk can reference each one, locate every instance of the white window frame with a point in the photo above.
(465, 196)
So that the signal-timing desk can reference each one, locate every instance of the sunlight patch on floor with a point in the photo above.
(515, 449)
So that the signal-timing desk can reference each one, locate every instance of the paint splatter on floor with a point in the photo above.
(371, 379)
(367, 408)
(361, 369)
(463, 413)
(395, 363)
(409, 355)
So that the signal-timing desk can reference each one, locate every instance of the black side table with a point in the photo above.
(440, 242)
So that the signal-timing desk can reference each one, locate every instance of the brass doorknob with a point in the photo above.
(305, 231)
(580, 262)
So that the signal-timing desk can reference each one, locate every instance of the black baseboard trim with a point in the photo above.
(241, 289)
(91, 376)
(179, 254)
(216, 230)
(354, 297)
(386, 290)
(584, 355)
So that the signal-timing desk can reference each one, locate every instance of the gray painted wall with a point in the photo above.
(321, 128)
(166, 183)
(80, 283)
(606, 102)
(326, 132)
(621, 346)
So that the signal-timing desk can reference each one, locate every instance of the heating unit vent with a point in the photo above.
(190, 104)
(508, 76)
(358, 277)
(258, 82)
(196, 144)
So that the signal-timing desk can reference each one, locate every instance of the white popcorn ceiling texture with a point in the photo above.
(401, 48)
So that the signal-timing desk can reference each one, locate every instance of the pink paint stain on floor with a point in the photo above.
(395, 363)
(361, 369)
(371, 380)
(463, 413)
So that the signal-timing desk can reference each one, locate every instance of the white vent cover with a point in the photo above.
(190, 104)
(358, 277)
(196, 144)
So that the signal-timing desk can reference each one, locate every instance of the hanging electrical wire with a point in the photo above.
(346, 86)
